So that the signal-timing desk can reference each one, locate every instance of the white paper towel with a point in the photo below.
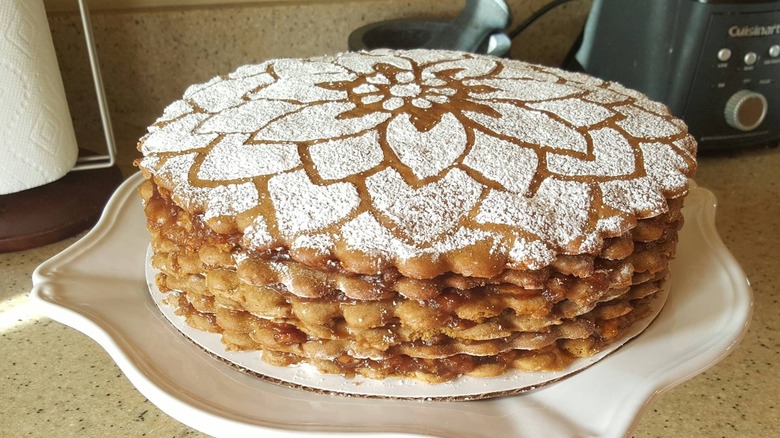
(37, 142)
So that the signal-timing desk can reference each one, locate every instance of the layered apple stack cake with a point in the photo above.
(423, 214)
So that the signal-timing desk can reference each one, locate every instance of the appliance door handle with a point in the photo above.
(472, 28)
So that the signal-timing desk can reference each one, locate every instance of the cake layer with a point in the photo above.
(377, 354)
(476, 315)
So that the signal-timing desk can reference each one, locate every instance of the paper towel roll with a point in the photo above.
(37, 142)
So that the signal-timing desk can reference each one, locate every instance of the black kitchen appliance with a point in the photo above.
(479, 29)
(715, 63)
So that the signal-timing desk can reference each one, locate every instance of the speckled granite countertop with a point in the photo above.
(58, 382)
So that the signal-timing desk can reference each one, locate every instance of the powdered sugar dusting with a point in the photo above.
(226, 94)
(688, 145)
(397, 154)
(231, 158)
(653, 106)
(578, 78)
(256, 235)
(150, 162)
(321, 243)
(523, 90)
(302, 68)
(249, 70)
(175, 110)
(425, 213)
(611, 226)
(575, 111)
(591, 243)
(424, 57)
(605, 96)
(427, 153)
(612, 156)
(230, 199)
(247, 117)
(506, 163)
(633, 196)
(666, 168)
(619, 88)
(642, 124)
(366, 63)
(301, 125)
(303, 89)
(337, 159)
(304, 206)
(531, 127)
(223, 200)
(465, 237)
(532, 254)
(175, 169)
(192, 89)
(239, 256)
(364, 233)
(512, 72)
(466, 67)
(177, 136)
(558, 212)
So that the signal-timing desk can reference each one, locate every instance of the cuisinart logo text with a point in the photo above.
(752, 31)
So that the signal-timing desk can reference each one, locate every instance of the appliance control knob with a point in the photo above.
(745, 110)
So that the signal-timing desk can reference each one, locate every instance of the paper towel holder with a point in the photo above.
(60, 209)
(86, 162)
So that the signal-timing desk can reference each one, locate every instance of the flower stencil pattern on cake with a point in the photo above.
(425, 151)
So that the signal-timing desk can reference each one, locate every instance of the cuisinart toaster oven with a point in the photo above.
(715, 63)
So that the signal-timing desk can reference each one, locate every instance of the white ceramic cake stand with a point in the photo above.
(98, 287)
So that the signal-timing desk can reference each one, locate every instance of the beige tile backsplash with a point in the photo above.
(149, 56)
